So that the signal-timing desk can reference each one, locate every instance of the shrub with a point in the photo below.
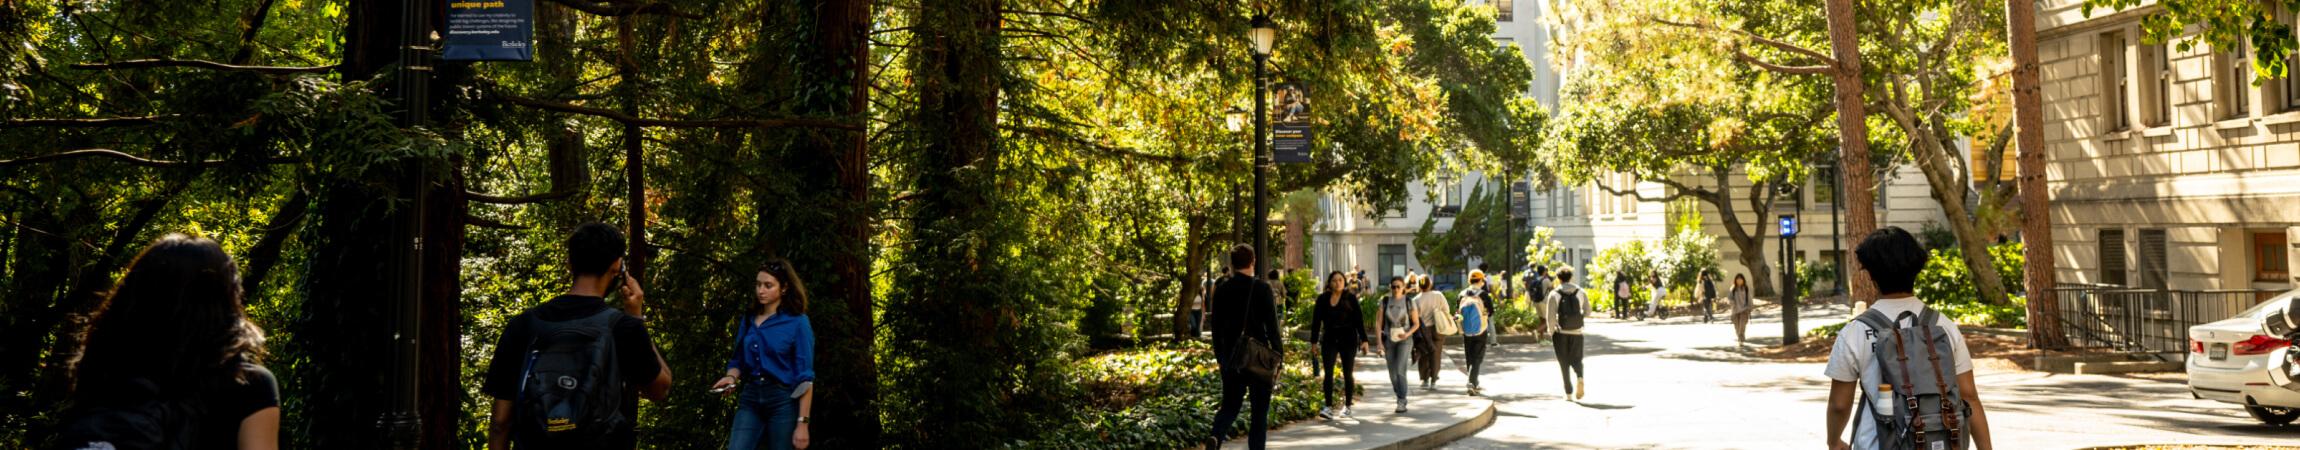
(1161, 396)
(1950, 288)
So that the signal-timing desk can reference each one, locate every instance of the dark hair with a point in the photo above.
(1740, 278)
(794, 300)
(1241, 256)
(1330, 282)
(174, 319)
(1565, 274)
(593, 248)
(1893, 258)
(1276, 274)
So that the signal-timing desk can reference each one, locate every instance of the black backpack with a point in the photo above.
(154, 423)
(1568, 309)
(571, 393)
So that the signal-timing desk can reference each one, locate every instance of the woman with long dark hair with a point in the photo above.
(1339, 330)
(1739, 300)
(172, 335)
(774, 364)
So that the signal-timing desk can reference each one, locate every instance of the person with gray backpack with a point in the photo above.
(567, 374)
(1909, 366)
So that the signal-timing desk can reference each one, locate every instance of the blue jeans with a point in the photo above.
(766, 414)
(1398, 353)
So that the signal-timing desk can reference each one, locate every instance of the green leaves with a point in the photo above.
(2222, 24)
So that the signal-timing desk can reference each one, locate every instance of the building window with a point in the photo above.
(2235, 81)
(1824, 186)
(2156, 70)
(2153, 274)
(1392, 258)
(1505, 10)
(2269, 262)
(2112, 270)
(2114, 97)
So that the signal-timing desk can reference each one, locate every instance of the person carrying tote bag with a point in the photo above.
(1245, 321)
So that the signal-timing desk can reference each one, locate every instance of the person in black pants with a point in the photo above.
(1242, 305)
(1567, 306)
(1337, 332)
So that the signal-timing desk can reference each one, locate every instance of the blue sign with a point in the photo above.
(1788, 226)
(490, 30)
(1290, 138)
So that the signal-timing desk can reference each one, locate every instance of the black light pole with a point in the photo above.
(1837, 231)
(1264, 34)
(1236, 122)
(400, 424)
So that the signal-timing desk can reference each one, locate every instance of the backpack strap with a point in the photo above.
(1925, 323)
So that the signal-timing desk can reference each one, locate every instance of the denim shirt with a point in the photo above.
(783, 346)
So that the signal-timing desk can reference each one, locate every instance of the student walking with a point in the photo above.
(1243, 307)
(549, 390)
(1337, 332)
(1431, 305)
(1567, 306)
(1909, 366)
(1742, 305)
(1398, 326)
(1708, 296)
(1624, 294)
(1657, 291)
(172, 336)
(1476, 322)
(774, 364)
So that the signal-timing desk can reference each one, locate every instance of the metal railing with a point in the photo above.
(2145, 320)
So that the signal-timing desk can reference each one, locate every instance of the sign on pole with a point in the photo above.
(1788, 226)
(1520, 200)
(1290, 139)
(489, 30)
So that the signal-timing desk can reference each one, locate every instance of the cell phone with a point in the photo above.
(615, 283)
(723, 390)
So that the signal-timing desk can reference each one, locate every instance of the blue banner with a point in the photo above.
(490, 30)
(1290, 139)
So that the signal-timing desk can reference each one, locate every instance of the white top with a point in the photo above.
(1549, 307)
(1850, 361)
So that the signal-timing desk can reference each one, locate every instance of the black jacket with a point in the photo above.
(1230, 307)
(1337, 324)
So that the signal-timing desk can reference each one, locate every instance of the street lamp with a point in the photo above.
(1235, 119)
(1264, 34)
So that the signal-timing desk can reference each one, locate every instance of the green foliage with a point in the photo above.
(1162, 396)
(1481, 232)
(1812, 273)
(1544, 248)
(1948, 287)
(1631, 261)
(2220, 23)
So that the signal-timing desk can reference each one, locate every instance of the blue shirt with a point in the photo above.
(783, 346)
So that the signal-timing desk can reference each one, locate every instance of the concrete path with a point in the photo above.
(1433, 417)
(1680, 384)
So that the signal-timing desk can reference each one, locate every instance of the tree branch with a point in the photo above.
(625, 9)
(87, 123)
(135, 160)
(792, 122)
(482, 222)
(523, 199)
(212, 65)
(1640, 196)
(1792, 70)
(1769, 42)
(1120, 151)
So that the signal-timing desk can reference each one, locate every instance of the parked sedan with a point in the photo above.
(2234, 361)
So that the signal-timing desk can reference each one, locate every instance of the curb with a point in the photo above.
(1445, 435)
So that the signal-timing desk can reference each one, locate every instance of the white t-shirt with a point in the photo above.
(1850, 361)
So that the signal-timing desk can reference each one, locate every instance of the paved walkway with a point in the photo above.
(1681, 384)
(1433, 417)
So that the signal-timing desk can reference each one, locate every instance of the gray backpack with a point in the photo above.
(1928, 412)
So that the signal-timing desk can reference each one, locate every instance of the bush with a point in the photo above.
(1949, 287)
(1161, 396)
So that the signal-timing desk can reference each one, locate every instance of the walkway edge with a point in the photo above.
(1448, 434)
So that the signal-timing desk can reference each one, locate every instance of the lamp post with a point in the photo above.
(1263, 34)
(1235, 120)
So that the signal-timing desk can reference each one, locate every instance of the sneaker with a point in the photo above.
(1346, 412)
(1580, 389)
(1327, 413)
(1401, 406)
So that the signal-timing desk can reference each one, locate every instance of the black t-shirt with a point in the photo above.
(634, 350)
(224, 403)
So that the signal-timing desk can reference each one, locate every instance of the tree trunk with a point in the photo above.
(1193, 263)
(848, 409)
(1932, 155)
(1752, 245)
(2036, 214)
(1853, 139)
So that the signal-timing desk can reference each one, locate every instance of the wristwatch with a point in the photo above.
(805, 419)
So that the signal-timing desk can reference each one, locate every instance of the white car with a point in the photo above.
(2234, 361)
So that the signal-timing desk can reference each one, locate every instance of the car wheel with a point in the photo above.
(2272, 415)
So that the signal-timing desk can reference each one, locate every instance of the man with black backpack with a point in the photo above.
(1245, 317)
(1908, 364)
(567, 374)
(1564, 312)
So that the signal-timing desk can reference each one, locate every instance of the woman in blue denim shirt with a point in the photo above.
(774, 364)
